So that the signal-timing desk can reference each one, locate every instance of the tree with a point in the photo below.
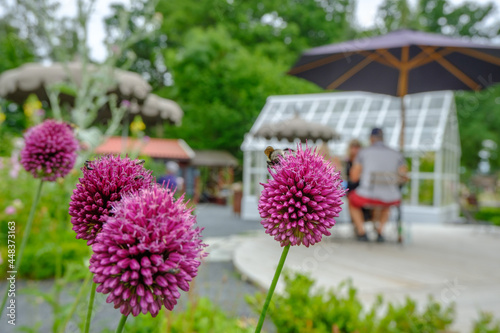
(479, 119)
(143, 55)
(255, 22)
(60, 39)
(222, 58)
(467, 19)
(437, 16)
(227, 57)
(14, 50)
(272, 28)
(222, 87)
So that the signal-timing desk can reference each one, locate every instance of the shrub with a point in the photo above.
(486, 324)
(51, 237)
(200, 316)
(303, 310)
(490, 214)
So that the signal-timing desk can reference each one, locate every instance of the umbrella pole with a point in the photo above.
(402, 132)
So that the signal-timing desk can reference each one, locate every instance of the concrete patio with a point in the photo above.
(453, 263)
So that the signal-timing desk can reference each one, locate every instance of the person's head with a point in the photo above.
(172, 167)
(353, 148)
(377, 135)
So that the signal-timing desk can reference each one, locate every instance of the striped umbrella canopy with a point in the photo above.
(157, 108)
(33, 78)
(297, 128)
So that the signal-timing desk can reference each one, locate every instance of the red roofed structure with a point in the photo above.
(175, 149)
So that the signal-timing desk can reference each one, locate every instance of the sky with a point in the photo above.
(365, 15)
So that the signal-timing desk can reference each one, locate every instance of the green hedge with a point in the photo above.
(302, 309)
(489, 214)
(52, 241)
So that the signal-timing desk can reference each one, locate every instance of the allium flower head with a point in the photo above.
(147, 250)
(10, 210)
(299, 204)
(50, 150)
(104, 181)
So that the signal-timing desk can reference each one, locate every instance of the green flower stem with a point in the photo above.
(272, 287)
(91, 305)
(76, 302)
(121, 324)
(26, 235)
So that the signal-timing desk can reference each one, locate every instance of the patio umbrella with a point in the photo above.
(297, 128)
(400, 63)
(32, 78)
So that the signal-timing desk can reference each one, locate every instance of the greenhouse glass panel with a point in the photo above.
(430, 129)
(415, 104)
(406, 192)
(254, 184)
(357, 105)
(376, 105)
(426, 192)
(395, 104)
(340, 105)
(436, 102)
(427, 162)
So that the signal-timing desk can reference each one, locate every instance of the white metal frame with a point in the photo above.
(432, 128)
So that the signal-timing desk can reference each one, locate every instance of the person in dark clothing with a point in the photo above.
(170, 180)
(352, 151)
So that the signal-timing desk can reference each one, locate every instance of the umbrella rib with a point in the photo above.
(423, 57)
(479, 55)
(380, 60)
(318, 63)
(389, 57)
(453, 70)
(353, 71)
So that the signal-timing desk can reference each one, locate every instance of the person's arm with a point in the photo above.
(403, 174)
(355, 173)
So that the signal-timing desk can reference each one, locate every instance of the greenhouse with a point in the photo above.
(432, 145)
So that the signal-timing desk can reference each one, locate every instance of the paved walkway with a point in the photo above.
(220, 221)
(216, 279)
(454, 263)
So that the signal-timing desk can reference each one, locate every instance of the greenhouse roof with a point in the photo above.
(354, 114)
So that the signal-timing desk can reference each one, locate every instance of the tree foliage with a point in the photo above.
(438, 16)
(227, 57)
(14, 50)
(221, 59)
(479, 119)
(222, 86)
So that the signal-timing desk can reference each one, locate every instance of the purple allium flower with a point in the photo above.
(299, 204)
(104, 181)
(40, 112)
(147, 250)
(50, 150)
(126, 103)
(10, 210)
(15, 167)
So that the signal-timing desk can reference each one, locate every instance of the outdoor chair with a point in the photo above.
(372, 212)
